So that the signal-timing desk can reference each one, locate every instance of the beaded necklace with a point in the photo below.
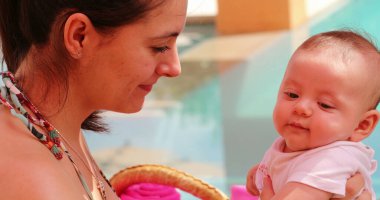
(10, 93)
(51, 141)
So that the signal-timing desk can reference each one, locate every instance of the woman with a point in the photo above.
(70, 59)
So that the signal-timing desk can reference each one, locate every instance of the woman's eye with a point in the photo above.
(161, 49)
(292, 95)
(325, 106)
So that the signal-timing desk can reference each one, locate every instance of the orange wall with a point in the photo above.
(242, 16)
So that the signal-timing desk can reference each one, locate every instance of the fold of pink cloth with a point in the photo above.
(238, 192)
(150, 191)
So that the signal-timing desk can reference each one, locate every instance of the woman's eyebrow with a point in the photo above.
(166, 35)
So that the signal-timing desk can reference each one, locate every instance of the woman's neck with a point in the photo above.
(59, 105)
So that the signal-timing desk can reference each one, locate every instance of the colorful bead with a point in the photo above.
(51, 140)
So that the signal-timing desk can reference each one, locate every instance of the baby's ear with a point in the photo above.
(366, 125)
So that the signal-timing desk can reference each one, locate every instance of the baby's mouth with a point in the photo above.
(297, 126)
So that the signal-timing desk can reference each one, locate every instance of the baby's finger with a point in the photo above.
(354, 186)
(365, 195)
(267, 192)
(250, 184)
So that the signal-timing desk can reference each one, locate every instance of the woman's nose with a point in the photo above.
(303, 109)
(170, 67)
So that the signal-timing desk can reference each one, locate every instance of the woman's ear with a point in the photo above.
(76, 31)
(365, 126)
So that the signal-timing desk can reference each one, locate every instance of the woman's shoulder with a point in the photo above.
(15, 138)
(35, 178)
(27, 165)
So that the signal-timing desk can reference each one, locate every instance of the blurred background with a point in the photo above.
(214, 121)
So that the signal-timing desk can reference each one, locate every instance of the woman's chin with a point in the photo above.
(131, 109)
(134, 111)
(127, 107)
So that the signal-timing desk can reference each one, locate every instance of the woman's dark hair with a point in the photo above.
(27, 23)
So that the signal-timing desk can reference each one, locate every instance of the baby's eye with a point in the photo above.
(292, 95)
(325, 106)
(160, 49)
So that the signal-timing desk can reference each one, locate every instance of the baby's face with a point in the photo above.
(320, 99)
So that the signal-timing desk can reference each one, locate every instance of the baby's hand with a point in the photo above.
(251, 177)
(267, 192)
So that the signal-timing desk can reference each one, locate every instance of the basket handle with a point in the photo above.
(164, 175)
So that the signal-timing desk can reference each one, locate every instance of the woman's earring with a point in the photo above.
(78, 54)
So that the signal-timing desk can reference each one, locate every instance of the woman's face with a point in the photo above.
(126, 65)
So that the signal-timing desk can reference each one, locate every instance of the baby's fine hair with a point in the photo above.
(351, 39)
(348, 40)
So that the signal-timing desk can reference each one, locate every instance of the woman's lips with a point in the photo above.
(147, 88)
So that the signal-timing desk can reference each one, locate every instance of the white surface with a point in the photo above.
(210, 8)
(198, 8)
(313, 7)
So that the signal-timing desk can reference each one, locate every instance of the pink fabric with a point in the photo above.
(238, 192)
(326, 168)
(150, 191)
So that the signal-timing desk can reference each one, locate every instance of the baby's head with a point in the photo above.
(329, 92)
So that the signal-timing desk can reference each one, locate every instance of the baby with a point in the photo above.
(326, 106)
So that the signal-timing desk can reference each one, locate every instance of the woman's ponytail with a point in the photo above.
(14, 44)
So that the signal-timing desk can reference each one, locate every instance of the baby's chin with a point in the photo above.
(294, 148)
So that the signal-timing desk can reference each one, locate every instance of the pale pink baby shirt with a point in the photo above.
(326, 168)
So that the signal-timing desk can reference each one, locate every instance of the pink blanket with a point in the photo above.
(150, 191)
